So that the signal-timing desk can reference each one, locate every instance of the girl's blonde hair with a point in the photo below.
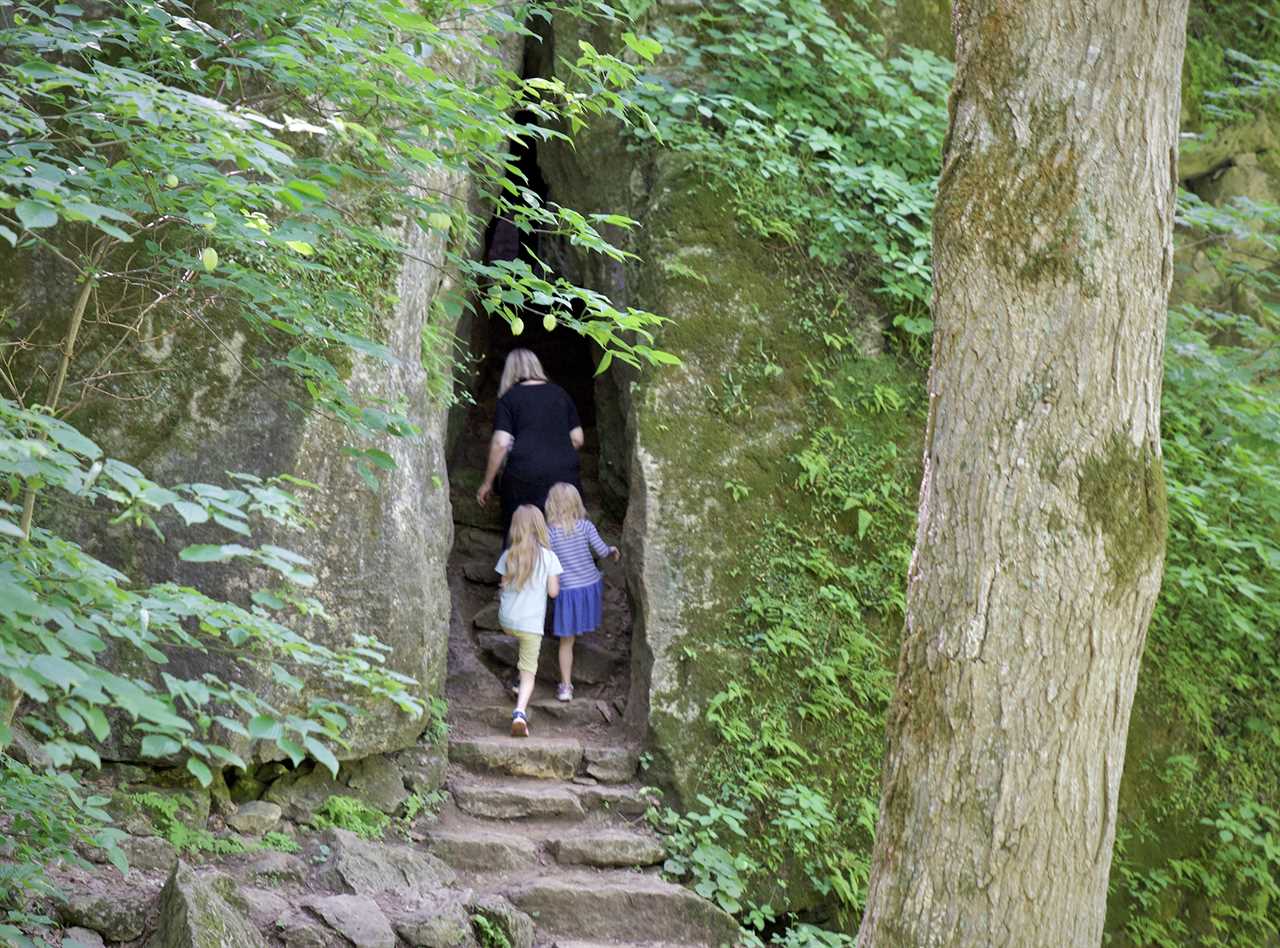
(528, 539)
(564, 507)
(521, 364)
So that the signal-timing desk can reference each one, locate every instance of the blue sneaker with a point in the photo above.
(519, 724)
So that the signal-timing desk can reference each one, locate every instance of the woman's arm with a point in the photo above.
(499, 445)
(577, 438)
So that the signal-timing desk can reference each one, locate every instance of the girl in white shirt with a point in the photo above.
(530, 573)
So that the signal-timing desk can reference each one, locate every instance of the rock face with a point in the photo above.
(729, 298)
(379, 557)
(194, 914)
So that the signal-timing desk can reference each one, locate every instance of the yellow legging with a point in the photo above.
(530, 646)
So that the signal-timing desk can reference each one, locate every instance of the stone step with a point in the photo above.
(606, 849)
(471, 849)
(514, 800)
(591, 663)
(549, 758)
(625, 907)
(579, 712)
(610, 764)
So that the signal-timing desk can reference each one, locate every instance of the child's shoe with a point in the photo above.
(564, 692)
(519, 724)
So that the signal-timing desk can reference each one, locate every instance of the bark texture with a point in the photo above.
(1042, 513)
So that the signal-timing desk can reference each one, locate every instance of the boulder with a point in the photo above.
(612, 764)
(487, 618)
(196, 913)
(516, 925)
(378, 782)
(272, 869)
(120, 915)
(302, 930)
(149, 853)
(441, 922)
(356, 918)
(301, 792)
(255, 817)
(423, 768)
(480, 571)
(81, 938)
(360, 867)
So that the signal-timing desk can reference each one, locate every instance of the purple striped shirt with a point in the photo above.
(574, 551)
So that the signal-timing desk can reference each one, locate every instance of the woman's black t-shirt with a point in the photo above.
(539, 418)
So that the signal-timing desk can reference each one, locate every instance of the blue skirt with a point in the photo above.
(579, 610)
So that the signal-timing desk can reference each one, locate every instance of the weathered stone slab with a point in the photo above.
(357, 918)
(473, 850)
(624, 907)
(612, 764)
(629, 801)
(512, 801)
(117, 916)
(613, 848)
(360, 867)
(547, 758)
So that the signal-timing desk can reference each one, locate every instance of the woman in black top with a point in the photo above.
(536, 431)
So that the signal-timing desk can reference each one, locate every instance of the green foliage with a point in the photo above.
(44, 818)
(420, 804)
(349, 813)
(1205, 835)
(821, 139)
(222, 170)
(488, 933)
(280, 842)
(1227, 75)
(801, 724)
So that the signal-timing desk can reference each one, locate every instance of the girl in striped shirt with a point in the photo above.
(580, 606)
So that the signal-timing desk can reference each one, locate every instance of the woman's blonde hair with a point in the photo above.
(528, 538)
(521, 364)
(564, 507)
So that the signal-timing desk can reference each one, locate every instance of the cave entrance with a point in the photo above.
(481, 657)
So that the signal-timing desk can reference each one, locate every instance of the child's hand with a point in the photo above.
(615, 553)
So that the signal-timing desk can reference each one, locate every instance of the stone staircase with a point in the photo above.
(528, 822)
(553, 823)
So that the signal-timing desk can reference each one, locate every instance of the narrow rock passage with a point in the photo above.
(555, 822)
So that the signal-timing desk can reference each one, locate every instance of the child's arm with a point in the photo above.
(598, 546)
(553, 574)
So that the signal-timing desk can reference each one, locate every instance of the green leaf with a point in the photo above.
(59, 671)
(159, 745)
(200, 770)
(36, 215)
(323, 755)
(264, 728)
(191, 513)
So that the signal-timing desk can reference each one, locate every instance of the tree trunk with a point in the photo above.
(1042, 512)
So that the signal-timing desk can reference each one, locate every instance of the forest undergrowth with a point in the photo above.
(827, 143)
